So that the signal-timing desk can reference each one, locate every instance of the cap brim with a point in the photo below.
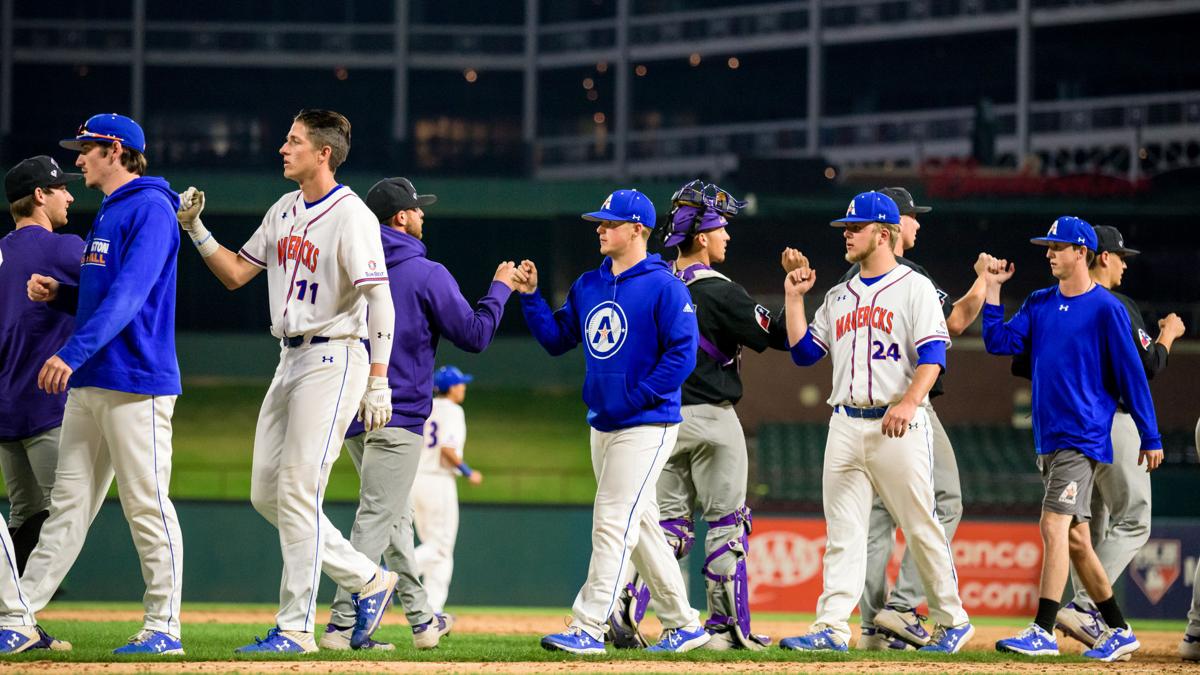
(841, 222)
(426, 200)
(68, 177)
(920, 209)
(597, 216)
(1127, 252)
(73, 144)
(1043, 241)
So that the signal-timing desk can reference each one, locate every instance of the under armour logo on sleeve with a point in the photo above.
(381, 335)
(326, 359)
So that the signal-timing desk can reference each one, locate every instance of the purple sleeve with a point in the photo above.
(68, 256)
(471, 330)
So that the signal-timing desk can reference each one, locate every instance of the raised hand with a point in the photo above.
(799, 281)
(191, 203)
(1171, 325)
(505, 274)
(525, 277)
(792, 259)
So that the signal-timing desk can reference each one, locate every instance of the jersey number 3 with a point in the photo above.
(892, 351)
(305, 286)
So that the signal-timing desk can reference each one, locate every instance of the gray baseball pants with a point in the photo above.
(881, 534)
(708, 468)
(1120, 506)
(28, 466)
(386, 461)
(1194, 615)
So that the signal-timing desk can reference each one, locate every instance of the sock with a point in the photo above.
(1111, 613)
(1046, 613)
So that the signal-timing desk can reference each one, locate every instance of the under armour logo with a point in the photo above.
(326, 359)
(840, 298)
(381, 334)
(1080, 240)
(13, 640)
(635, 217)
(279, 647)
(1037, 642)
(674, 639)
(371, 606)
(284, 216)
(160, 646)
(1063, 308)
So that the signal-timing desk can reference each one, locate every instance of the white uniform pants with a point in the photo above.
(301, 426)
(859, 463)
(627, 464)
(108, 433)
(14, 605)
(435, 514)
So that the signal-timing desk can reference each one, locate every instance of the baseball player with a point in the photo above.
(1189, 646)
(428, 305)
(325, 268)
(891, 620)
(435, 495)
(638, 326)
(1120, 499)
(1083, 362)
(709, 465)
(887, 337)
(29, 334)
(123, 376)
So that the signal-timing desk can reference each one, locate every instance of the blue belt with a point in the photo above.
(298, 340)
(861, 413)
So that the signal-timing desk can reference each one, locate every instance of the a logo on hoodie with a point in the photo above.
(97, 252)
(605, 329)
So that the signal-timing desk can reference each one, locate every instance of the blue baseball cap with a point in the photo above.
(625, 206)
(870, 207)
(1069, 230)
(107, 128)
(448, 376)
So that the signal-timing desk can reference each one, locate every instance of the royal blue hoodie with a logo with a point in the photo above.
(639, 334)
(124, 336)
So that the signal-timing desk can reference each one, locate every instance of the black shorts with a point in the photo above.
(1067, 475)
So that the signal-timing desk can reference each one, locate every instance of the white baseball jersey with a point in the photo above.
(872, 334)
(316, 255)
(445, 428)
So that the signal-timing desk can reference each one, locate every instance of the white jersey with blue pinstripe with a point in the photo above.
(316, 256)
(872, 334)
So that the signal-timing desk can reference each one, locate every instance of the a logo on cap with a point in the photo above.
(607, 203)
(54, 173)
(1053, 228)
(606, 329)
(850, 211)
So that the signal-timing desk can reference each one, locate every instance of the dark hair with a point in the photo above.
(133, 161)
(327, 128)
(22, 208)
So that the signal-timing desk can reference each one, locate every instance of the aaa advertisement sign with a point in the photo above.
(997, 563)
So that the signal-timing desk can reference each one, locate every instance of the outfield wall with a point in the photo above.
(537, 556)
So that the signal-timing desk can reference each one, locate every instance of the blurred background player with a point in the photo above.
(428, 305)
(890, 620)
(123, 376)
(709, 465)
(1077, 335)
(1120, 499)
(888, 318)
(1189, 646)
(638, 327)
(435, 494)
(30, 332)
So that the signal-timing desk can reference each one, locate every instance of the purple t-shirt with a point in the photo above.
(30, 332)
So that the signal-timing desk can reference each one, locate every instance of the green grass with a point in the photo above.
(532, 447)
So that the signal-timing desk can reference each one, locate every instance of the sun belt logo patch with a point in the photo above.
(1144, 338)
(762, 316)
(605, 329)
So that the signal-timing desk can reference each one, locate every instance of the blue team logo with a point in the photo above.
(605, 329)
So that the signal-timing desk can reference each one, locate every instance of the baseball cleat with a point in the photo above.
(152, 642)
(679, 640)
(949, 640)
(1081, 624)
(573, 640)
(47, 642)
(16, 639)
(369, 605)
(1116, 644)
(873, 639)
(337, 639)
(427, 635)
(1189, 647)
(722, 641)
(904, 624)
(280, 642)
(821, 639)
(1033, 641)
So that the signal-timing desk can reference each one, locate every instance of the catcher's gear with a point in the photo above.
(735, 618)
(623, 625)
(681, 534)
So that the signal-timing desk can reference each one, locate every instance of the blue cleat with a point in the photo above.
(822, 640)
(573, 640)
(679, 640)
(949, 640)
(16, 639)
(1033, 641)
(151, 642)
(280, 642)
(369, 605)
(1116, 644)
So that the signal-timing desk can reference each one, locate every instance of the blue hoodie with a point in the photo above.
(124, 336)
(639, 329)
(428, 305)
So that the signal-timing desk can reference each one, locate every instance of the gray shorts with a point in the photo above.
(1067, 475)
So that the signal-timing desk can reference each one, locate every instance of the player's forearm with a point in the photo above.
(923, 378)
(797, 322)
(381, 322)
(991, 293)
(967, 308)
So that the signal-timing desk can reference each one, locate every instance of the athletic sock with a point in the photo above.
(1047, 614)
(1111, 613)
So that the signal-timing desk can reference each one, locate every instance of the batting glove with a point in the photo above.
(191, 203)
(375, 410)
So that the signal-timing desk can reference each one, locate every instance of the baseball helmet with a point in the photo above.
(448, 376)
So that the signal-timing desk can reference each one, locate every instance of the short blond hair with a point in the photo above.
(893, 228)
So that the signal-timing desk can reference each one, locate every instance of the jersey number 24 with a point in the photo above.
(890, 352)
